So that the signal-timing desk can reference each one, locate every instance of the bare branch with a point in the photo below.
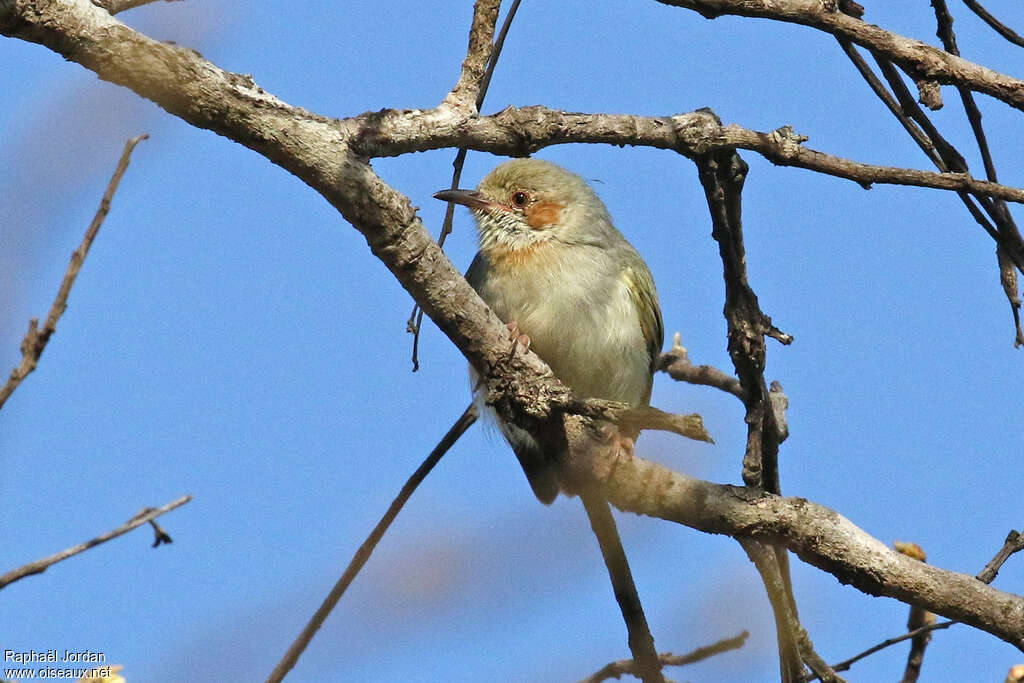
(464, 422)
(786, 626)
(116, 6)
(638, 418)
(36, 339)
(523, 131)
(40, 566)
(917, 618)
(818, 535)
(628, 668)
(676, 363)
(847, 663)
(415, 323)
(1014, 544)
(1004, 221)
(999, 27)
(921, 60)
(466, 93)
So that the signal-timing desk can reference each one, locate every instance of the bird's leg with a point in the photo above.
(518, 337)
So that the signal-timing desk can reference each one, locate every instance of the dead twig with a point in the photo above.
(144, 517)
(36, 339)
(627, 667)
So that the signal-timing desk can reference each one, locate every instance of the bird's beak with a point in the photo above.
(470, 198)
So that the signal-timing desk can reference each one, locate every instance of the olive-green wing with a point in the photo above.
(645, 297)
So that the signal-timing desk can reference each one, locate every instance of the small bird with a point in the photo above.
(553, 267)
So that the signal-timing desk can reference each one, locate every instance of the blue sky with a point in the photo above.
(231, 337)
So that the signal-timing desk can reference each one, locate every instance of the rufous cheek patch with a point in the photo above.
(543, 214)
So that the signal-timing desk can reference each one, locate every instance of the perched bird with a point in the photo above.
(552, 265)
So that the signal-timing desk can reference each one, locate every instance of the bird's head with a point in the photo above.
(525, 203)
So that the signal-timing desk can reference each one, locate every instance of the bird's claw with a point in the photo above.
(622, 445)
(518, 337)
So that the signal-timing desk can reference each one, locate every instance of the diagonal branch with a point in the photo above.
(362, 555)
(922, 61)
(40, 566)
(998, 26)
(415, 323)
(36, 339)
(818, 535)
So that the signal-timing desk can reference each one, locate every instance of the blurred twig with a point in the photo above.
(467, 418)
(36, 339)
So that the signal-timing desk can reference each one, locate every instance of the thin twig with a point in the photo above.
(1014, 543)
(999, 27)
(1005, 223)
(677, 365)
(36, 339)
(40, 566)
(847, 663)
(415, 323)
(467, 418)
(628, 666)
(922, 140)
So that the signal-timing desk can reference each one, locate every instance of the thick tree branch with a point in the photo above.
(116, 6)
(920, 60)
(818, 535)
(523, 131)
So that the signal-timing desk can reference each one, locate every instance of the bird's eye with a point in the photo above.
(520, 199)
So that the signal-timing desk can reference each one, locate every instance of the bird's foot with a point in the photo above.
(518, 337)
(621, 444)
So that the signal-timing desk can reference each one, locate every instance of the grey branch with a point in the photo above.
(466, 93)
(677, 365)
(40, 566)
(116, 6)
